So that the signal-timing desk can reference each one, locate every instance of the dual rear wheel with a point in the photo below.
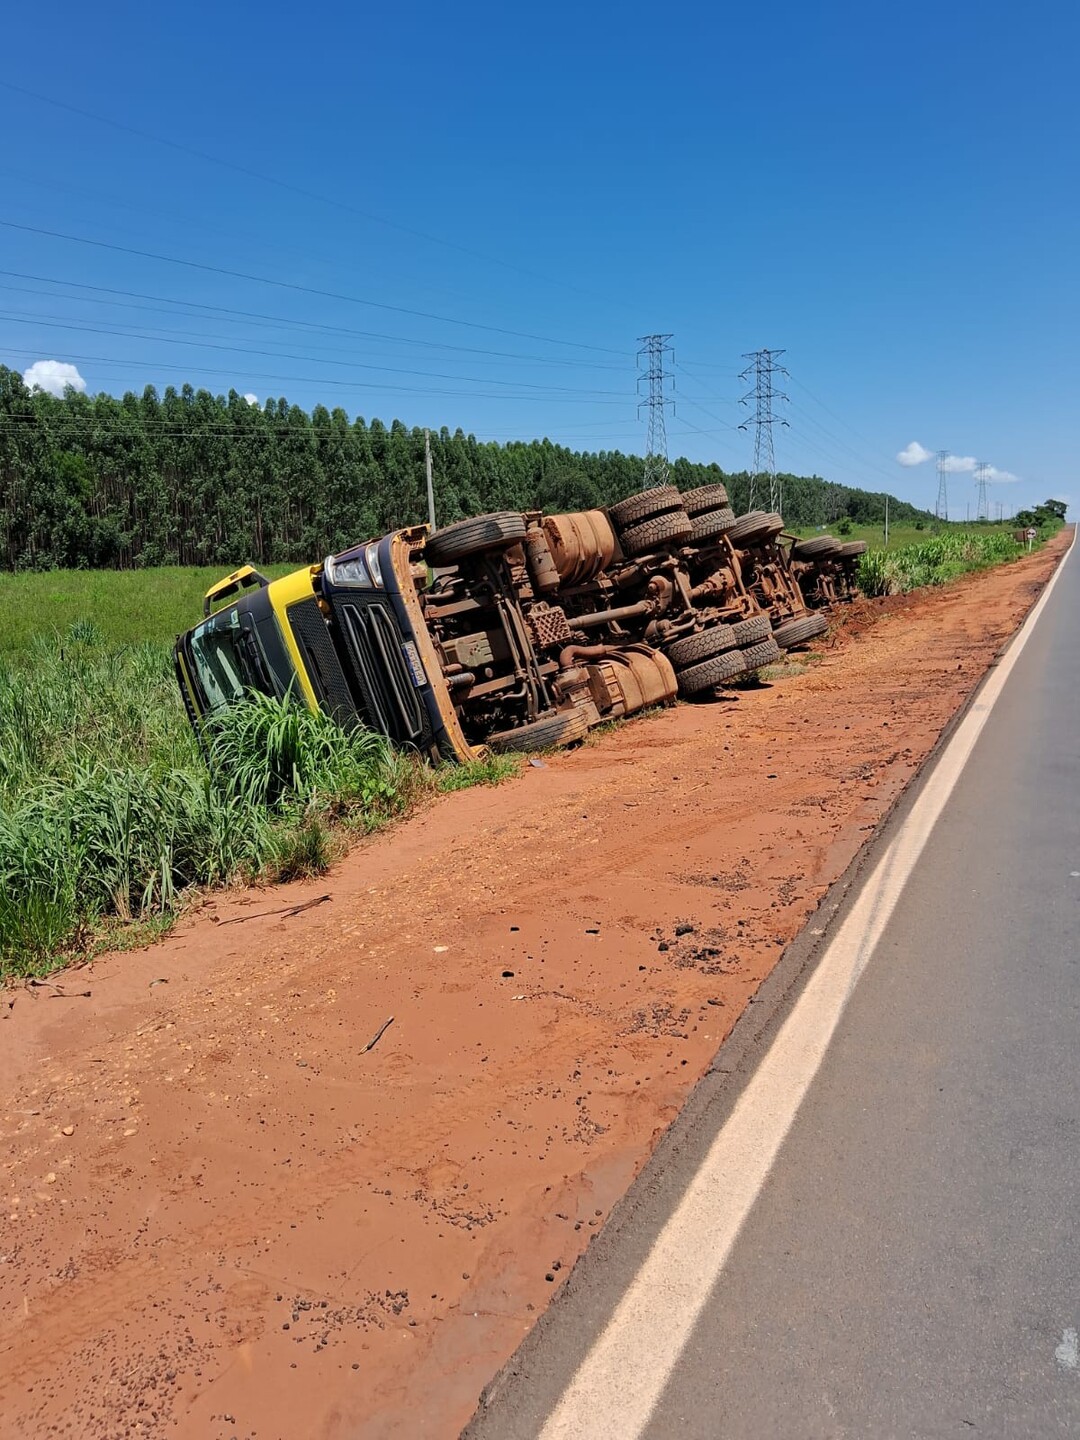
(723, 652)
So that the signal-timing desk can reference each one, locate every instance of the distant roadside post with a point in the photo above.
(1029, 536)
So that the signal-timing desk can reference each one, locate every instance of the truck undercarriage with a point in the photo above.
(518, 631)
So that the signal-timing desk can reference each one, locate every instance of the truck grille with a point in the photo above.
(323, 666)
(386, 691)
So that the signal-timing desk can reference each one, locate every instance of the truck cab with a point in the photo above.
(346, 637)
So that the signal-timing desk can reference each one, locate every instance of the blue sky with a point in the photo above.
(889, 194)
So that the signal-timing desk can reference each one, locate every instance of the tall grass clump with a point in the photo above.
(933, 561)
(109, 813)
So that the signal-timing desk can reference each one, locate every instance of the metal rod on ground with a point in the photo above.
(378, 1035)
(430, 485)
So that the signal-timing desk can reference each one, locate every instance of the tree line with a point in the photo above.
(192, 478)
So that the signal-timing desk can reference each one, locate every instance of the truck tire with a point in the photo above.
(711, 673)
(756, 528)
(711, 523)
(692, 649)
(562, 728)
(471, 537)
(852, 549)
(705, 497)
(752, 631)
(797, 632)
(816, 548)
(766, 653)
(636, 508)
(670, 529)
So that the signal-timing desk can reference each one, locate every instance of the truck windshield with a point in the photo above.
(227, 659)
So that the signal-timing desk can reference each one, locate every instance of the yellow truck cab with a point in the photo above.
(347, 637)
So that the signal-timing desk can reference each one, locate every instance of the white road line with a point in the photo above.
(616, 1387)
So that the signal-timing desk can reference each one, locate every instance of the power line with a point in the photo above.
(282, 184)
(283, 321)
(839, 418)
(286, 355)
(151, 365)
(837, 440)
(301, 289)
(195, 219)
(655, 349)
(763, 394)
(697, 404)
(863, 459)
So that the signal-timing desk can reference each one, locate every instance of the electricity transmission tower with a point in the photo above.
(762, 370)
(982, 480)
(941, 509)
(652, 362)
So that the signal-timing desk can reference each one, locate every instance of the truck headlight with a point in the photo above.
(372, 556)
(348, 572)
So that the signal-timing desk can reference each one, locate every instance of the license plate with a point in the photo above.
(412, 659)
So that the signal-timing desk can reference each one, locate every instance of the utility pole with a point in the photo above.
(762, 370)
(430, 485)
(652, 363)
(941, 509)
(982, 480)
(886, 522)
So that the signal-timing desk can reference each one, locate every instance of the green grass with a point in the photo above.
(938, 559)
(492, 771)
(111, 818)
(129, 607)
(914, 558)
(899, 535)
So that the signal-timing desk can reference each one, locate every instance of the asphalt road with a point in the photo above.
(911, 1264)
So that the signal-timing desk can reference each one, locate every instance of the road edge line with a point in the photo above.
(615, 1389)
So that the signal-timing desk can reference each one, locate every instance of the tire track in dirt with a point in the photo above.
(255, 1227)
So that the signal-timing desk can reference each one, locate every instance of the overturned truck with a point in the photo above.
(509, 631)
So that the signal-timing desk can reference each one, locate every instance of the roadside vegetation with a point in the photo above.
(191, 478)
(110, 818)
(933, 561)
(953, 551)
(130, 607)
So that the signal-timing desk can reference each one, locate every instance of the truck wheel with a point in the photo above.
(635, 508)
(816, 548)
(670, 529)
(693, 648)
(797, 632)
(563, 728)
(853, 549)
(752, 631)
(711, 673)
(767, 653)
(711, 523)
(705, 497)
(470, 537)
(756, 528)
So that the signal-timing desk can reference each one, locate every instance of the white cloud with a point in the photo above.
(1002, 477)
(914, 454)
(960, 465)
(53, 376)
(251, 399)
